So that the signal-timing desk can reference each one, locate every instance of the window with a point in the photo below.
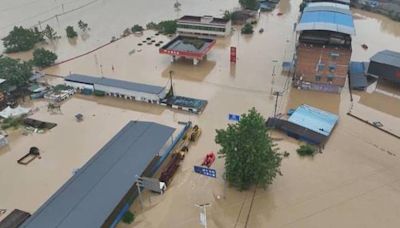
(330, 77)
(320, 67)
(318, 77)
(334, 55)
(332, 67)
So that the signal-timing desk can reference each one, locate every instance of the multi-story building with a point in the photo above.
(324, 47)
(203, 26)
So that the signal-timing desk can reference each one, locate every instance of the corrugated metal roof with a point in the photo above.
(358, 80)
(314, 119)
(327, 16)
(91, 195)
(133, 86)
(387, 57)
(324, 4)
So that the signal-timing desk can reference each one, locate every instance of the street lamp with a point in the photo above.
(203, 213)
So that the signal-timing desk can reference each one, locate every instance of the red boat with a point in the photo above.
(209, 159)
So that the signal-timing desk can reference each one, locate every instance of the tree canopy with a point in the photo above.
(250, 156)
(22, 39)
(249, 4)
(137, 28)
(15, 73)
(83, 26)
(71, 32)
(49, 33)
(247, 29)
(43, 57)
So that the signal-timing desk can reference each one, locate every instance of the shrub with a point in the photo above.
(71, 32)
(306, 150)
(11, 122)
(43, 57)
(167, 27)
(247, 29)
(128, 217)
(137, 28)
(99, 93)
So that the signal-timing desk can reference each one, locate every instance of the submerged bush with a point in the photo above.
(306, 150)
(128, 218)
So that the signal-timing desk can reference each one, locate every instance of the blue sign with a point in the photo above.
(234, 117)
(205, 171)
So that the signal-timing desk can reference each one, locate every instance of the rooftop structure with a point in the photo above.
(385, 64)
(127, 85)
(188, 47)
(322, 68)
(306, 123)
(89, 197)
(345, 2)
(203, 26)
(327, 17)
(314, 119)
(357, 75)
(118, 88)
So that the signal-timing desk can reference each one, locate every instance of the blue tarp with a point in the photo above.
(314, 119)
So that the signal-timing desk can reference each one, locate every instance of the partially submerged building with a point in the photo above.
(203, 26)
(188, 47)
(102, 190)
(118, 88)
(134, 91)
(324, 47)
(385, 65)
(307, 123)
(357, 75)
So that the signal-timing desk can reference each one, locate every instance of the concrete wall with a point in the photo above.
(77, 85)
(132, 95)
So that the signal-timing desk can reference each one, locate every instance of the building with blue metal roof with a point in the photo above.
(327, 17)
(314, 119)
(306, 123)
(95, 195)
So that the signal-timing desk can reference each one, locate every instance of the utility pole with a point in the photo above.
(203, 213)
(276, 94)
(171, 89)
(273, 75)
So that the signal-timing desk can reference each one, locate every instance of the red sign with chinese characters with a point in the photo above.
(233, 54)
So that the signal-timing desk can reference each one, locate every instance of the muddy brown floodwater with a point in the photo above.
(355, 182)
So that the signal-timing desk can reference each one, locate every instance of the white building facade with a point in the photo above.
(118, 88)
(204, 26)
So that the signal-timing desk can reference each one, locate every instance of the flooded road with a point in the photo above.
(354, 183)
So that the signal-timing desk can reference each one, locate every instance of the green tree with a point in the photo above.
(250, 156)
(306, 150)
(43, 57)
(71, 32)
(83, 26)
(22, 39)
(249, 4)
(167, 27)
(137, 28)
(227, 15)
(247, 29)
(50, 34)
(128, 217)
(15, 72)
